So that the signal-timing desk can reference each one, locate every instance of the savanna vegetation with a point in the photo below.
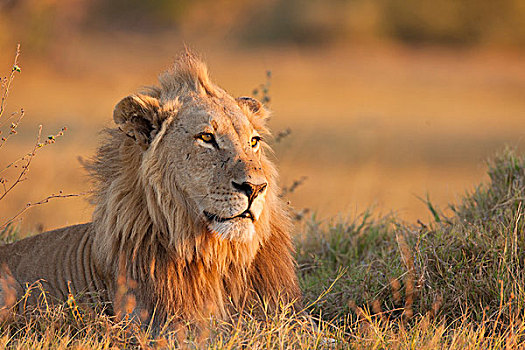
(444, 22)
(371, 282)
(375, 283)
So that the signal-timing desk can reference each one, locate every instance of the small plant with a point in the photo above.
(262, 92)
(15, 172)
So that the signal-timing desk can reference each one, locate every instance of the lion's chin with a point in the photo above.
(239, 229)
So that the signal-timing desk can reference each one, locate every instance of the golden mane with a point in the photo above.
(156, 238)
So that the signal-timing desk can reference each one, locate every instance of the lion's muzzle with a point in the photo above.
(251, 190)
(240, 225)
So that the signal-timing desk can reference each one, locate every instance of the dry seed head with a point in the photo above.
(352, 305)
(7, 293)
(395, 286)
(161, 343)
(404, 249)
(202, 336)
(130, 303)
(143, 315)
(409, 299)
(409, 289)
(182, 335)
(408, 313)
(436, 306)
(376, 306)
(357, 310)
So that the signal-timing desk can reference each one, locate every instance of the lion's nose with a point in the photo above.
(251, 190)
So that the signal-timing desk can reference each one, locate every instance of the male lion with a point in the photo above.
(186, 216)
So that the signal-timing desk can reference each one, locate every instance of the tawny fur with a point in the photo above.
(149, 231)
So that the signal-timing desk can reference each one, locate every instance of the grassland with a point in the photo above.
(455, 282)
(370, 281)
(371, 126)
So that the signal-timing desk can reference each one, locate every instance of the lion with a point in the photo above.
(187, 214)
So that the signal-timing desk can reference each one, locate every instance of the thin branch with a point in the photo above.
(14, 125)
(9, 80)
(27, 157)
(287, 190)
(282, 135)
(34, 204)
(25, 168)
(15, 119)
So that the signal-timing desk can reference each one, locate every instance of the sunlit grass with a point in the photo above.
(372, 283)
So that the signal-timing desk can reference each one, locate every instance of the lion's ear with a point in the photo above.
(138, 117)
(255, 111)
(252, 104)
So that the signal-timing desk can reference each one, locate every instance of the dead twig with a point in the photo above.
(28, 158)
(12, 129)
(282, 135)
(34, 204)
(6, 83)
(293, 186)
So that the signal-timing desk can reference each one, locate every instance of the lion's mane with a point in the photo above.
(155, 239)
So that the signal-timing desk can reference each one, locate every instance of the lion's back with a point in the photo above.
(57, 261)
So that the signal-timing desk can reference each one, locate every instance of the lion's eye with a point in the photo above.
(206, 137)
(255, 141)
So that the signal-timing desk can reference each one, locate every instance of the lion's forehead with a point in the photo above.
(223, 118)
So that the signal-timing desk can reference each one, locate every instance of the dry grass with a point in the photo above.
(59, 328)
(371, 283)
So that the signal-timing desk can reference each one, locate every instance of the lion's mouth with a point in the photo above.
(247, 214)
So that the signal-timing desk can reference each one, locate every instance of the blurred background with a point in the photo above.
(385, 101)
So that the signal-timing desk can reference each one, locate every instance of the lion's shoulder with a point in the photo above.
(58, 237)
(52, 259)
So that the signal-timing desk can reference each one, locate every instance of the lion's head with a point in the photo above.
(204, 147)
(186, 198)
(186, 163)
